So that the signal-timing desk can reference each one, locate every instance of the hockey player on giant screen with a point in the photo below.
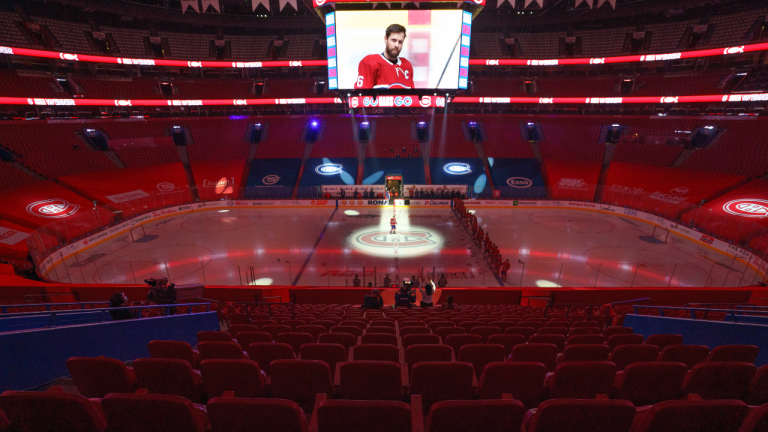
(386, 70)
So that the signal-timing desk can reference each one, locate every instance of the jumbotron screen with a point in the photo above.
(398, 49)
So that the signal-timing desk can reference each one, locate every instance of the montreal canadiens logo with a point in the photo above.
(409, 242)
(270, 179)
(679, 191)
(747, 207)
(457, 168)
(519, 182)
(426, 101)
(52, 208)
(166, 186)
(329, 169)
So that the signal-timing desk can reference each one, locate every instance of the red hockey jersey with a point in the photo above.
(375, 71)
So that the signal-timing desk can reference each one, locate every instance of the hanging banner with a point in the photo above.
(589, 2)
(256, 3)
(288, 2)
(539, 2)
(611, 2)
(185, 4)
(212, 3)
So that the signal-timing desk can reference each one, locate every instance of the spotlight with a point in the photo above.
(615, 125)
(472, 124)
(422, 123)
(709, 127)
(314, 124)
(530, 124)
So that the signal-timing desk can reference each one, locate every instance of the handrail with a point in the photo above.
(628, 301)
(732, 312)
(73, 294)
(100, 310)
(4, 308)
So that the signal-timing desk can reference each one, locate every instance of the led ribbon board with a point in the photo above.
(330, 43)
(245, 64)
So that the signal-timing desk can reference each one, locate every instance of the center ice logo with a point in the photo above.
(457, 168)
(52, 208)
(405, 239)
(409, 242)
(329, 169)
(747, 207)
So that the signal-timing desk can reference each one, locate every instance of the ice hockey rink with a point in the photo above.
(328, 246)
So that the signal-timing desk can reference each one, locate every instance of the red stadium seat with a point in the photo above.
(370, 380)
(574, 415)
(420, 339)
(646, 383)
(381, 330)
(757, 420)
(329, 353)
(275, 330)
(508, 341)
(444, 332)
(380, 338)
(610, 331)
(663, 340)
(295, 340)
(50, 411)
(557, 340)
(346, 340)
(693, 415)
(758, 387)
(300, 380)
(524, 380)
(525, 332)
(691, 355)
(477, 415)
(265, 353)
(552, 331)
(485, 332)
(243, 377)
(246, 338)
(314, 330)
(95, 377)
(625, 339)
(479, 355)
(234, 329)
(174, 350)
(374, 416)
(585, 339)
(405, 331)
(427, 353)
(733, 353)
(719, 380)
(579, 352)
(440, 381)
(213, 336)
(376, 352)
(220, 350)
(624, 355)
(581, 380)
(147, 413)
(169, 377)
(235, 414)
(541, 353)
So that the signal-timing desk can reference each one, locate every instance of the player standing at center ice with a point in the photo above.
(393, 225)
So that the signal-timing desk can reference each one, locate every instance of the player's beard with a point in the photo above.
(393, 53)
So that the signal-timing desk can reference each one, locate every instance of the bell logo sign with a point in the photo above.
(747, 207)
(52, 208)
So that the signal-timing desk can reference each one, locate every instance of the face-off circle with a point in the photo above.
(413, 241)
(747, 207)
(52, 208)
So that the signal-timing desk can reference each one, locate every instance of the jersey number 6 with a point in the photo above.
(360, 81)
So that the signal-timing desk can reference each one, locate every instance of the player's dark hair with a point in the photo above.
(395, 28)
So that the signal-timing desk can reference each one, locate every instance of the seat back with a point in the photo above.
(610, 331)
(720, 380)
(508, 341)
(533, 352)
(625, 339)
(220, 350)
(380, 338)
(247, 338)
(213, 336)
(585, 352)
(485, 331)
(557, 340)
(458, 341)
(427, 353)
(255, 415)
(563, 331)
(758, 387)
(585, 339)
(524, 380)
(663, 340)
(244, 377)
(434, 325)
(405, 331)
(344, 339)
(356, 331)
(444, 332)
(373, 416)
(624, 355)
(328, 353)
(265, 353)
(479, 355)
(525, 332)
(370, 380)
(300, 380)
(476, 415)
(376, 352)
(757, 421)
(168, 377)
(646, 383)
(420, 339)
(691, 355)
(583, 416)
(581, 379)
(276, 329)
(173, 350)
(50, 412)
(439, 381)
(295, 340)
(95, 377)
(733, 353)
(699, 416)
(132, 412)
(314, 330)
(234, 329)
(381, 329)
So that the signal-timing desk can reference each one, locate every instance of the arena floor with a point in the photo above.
(327, 246)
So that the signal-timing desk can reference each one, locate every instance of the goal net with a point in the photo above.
(137, 233)
(661, 234)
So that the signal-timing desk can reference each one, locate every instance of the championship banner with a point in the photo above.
(663, 190)
(575, 180)
(739, 215)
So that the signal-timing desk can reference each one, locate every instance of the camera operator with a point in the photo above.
(161, 293)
